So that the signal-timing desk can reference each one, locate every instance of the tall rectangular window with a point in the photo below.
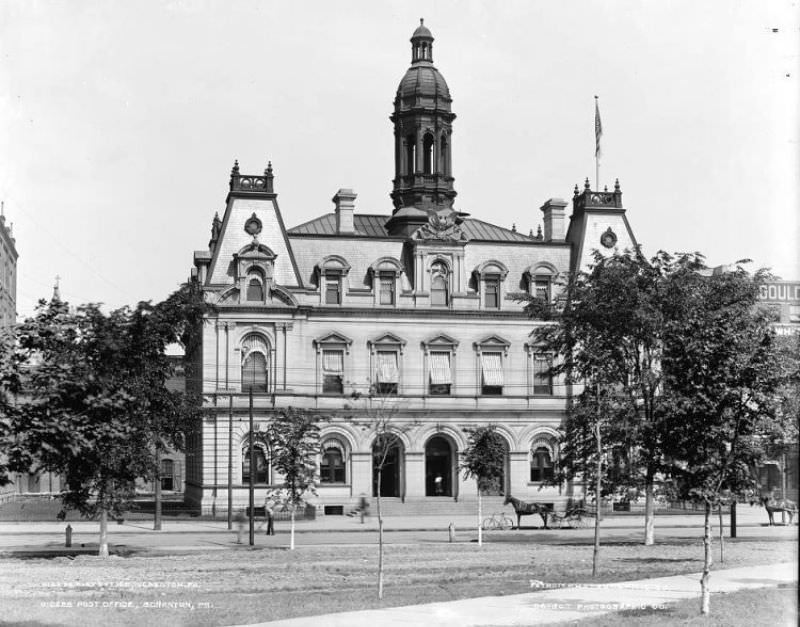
(542, 377)
(541, 287)
(332, 372)
(387, 283)
(333, 291)
(491, 296)
(491, 374)
(387, 375)
(440, 374)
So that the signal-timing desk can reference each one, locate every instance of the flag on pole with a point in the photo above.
(598, 128)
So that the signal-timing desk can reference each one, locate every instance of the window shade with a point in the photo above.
(492, 366)
(440, 368)
(387, 367)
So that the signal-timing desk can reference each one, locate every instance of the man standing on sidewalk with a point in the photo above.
(269, 512)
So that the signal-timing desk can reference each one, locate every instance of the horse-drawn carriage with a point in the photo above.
(576, 515)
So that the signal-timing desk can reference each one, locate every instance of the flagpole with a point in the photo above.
(598, 131)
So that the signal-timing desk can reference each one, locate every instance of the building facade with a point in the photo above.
(8, 274)
(415, 304)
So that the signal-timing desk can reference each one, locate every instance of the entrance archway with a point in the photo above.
(440, 470)
(388, 448)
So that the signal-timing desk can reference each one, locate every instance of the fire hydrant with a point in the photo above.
(451, 532)
(69, 536)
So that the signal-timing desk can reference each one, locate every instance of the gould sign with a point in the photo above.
(780, 292)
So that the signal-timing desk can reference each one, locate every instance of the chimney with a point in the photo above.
(345, 205)
(554, 220)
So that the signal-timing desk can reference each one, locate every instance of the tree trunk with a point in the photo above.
(103, 550)
(649, 513)
(157, 494)
(721, 535)
(291, 530)
(706, 593)
(380, 538)
(733, 518)
(598, 490)
(480, 530)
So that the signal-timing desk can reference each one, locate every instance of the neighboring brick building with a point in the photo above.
(8, 274)
(416, 302)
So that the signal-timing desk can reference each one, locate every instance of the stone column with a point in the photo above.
(361, 473)
(415, 474)
(519, 473)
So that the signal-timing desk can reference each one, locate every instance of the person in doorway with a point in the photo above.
(269, 512)
(438, 485)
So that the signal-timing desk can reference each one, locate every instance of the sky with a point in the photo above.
(120, 121)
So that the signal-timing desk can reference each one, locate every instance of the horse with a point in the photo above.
(778, 505)
(521, 508)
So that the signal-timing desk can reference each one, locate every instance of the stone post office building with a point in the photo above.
(414, 301)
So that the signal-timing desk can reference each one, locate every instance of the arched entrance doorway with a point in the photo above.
(440, 469)
(389, 450)
(499, 486)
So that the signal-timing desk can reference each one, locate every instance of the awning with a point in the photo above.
(387, 367)
(333, 362)
(492, 366)
(440, 368)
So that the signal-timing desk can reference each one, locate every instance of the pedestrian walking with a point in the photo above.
(240, 519)
(363, 507)
(269, 512)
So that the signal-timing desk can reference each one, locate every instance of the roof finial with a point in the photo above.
(56, 290)
(575, 193)
(539, 232)
(616, 185)
(235, 168)
(586, 184)
(513, 227)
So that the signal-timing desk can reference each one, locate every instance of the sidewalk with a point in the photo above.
(746, 517)
(547, 606)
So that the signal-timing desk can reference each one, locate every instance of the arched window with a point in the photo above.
(541, 464)
(439, 285)
(443, 163)
(332, 467)
(255, 364)
(411, 154)
(427, 148)
(261, 462)
(255, 289)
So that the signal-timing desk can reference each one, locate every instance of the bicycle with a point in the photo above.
(498, 520)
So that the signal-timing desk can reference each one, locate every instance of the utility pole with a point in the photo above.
(230, 461)
(598, 486)
(252, 482)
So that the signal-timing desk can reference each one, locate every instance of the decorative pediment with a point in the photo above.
(386, 264)
(255, 250)
(541, 268)
(441, 227)
(332, 263)
(440, 341)
(492, 343)
(284, 296)
(387, 341)
(333, 340)
(491, 267)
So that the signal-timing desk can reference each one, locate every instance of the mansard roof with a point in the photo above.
(374, 226)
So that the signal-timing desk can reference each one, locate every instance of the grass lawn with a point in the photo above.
(776, 607)
(244, 585)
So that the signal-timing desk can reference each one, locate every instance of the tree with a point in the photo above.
(484, 460)
(294, 438)
(722, 380)
(609, 330)
(378, 417)
(90, 401)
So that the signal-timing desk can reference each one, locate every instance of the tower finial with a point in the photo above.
(56, 289)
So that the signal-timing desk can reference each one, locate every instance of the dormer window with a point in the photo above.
(541, 278)
(333, 289)
(332, 276)
(255, 288)
(440, 293)
(489, 277)
(385, 273)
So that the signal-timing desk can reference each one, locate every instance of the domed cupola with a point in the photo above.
(422, 130)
